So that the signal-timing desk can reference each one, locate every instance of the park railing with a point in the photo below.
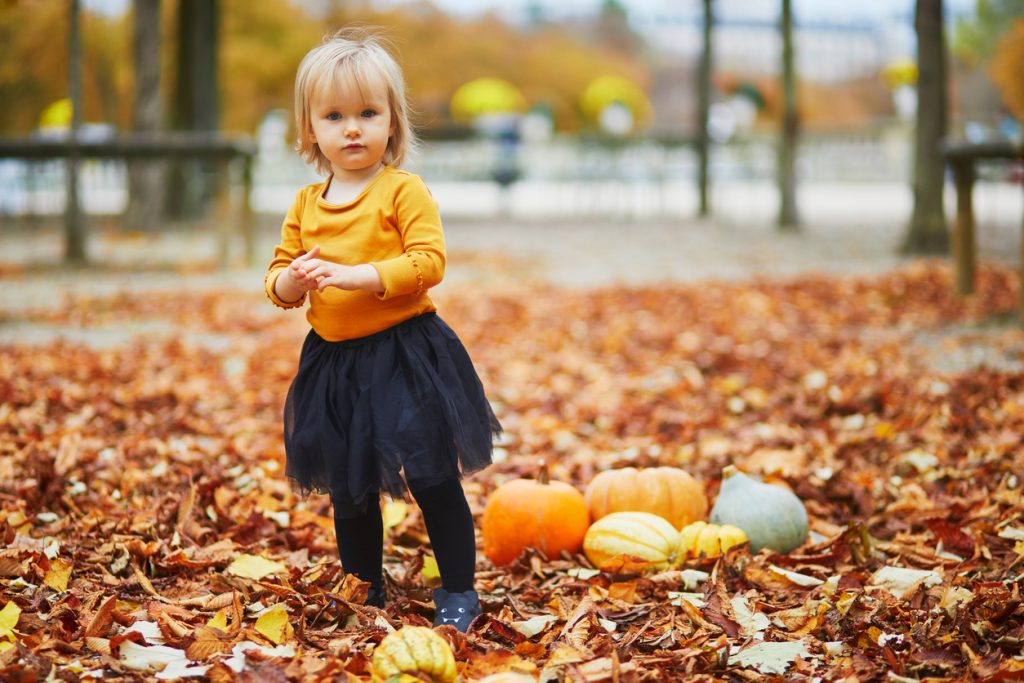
(178, 146)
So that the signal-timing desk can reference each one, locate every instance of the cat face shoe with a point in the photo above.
(374, 599)
(456, 609)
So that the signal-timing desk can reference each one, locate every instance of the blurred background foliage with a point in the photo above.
(263, 42)
(552, 64)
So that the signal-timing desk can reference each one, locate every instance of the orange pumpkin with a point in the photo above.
(533, 513)
(669, 492)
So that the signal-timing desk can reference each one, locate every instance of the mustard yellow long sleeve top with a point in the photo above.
(394, 225)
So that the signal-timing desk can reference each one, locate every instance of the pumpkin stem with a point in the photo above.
(543, 476)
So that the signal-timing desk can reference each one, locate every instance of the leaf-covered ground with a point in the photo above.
(146, 524)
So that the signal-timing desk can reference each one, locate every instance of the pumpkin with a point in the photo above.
(507, 677)
(415, 651)
(668, 492)
(631, 542)
(523, 513)
(709, 540)
(771, 516)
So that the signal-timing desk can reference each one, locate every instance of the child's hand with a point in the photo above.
(329, 274)
(297, 271)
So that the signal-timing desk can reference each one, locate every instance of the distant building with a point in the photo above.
(825, 52)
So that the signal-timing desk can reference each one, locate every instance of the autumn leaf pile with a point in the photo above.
(147, 529)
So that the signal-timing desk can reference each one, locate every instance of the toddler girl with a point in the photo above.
(385, 397)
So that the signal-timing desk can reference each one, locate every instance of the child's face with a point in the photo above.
(352, 127)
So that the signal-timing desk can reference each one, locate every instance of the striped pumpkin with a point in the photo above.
(415, 651)
(709, 540)
(668, 492)
(631, 542)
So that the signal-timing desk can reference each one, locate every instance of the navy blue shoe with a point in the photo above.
(456, 609)
(374, 599)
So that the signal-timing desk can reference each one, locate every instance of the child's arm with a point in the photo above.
(421, 265)
(283, 283)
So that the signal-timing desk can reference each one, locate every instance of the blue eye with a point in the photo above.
(368, 113)
(333, 116)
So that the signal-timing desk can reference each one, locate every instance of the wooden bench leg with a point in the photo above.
(963, 234)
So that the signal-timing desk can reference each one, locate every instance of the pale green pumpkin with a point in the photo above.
(771, 516)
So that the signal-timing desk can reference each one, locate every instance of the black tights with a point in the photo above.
(449, 524)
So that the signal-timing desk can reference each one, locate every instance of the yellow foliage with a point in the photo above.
(431, 573)
(261, 44)
(219, 620)
(1007, 66)
(273, 624)
(58, 575)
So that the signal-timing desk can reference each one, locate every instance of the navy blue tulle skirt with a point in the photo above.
(402, 408)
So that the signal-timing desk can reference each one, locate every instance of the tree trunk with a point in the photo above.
(195, 103)
(74, 225)
(703, 106)
(146, 178)
(927, 233)
(788, 219)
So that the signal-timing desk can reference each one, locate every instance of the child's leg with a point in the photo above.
(361, 545)
(449, 523)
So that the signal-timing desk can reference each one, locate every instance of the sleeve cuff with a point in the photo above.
(270, 282)
(399, 276)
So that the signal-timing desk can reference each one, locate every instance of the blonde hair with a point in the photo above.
(359, 56)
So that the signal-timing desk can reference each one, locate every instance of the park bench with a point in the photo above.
(963, 159)
(165, 146)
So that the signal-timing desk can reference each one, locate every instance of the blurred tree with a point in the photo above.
(703, 108)
(975, 37)
(788, 219)
(1007, 69)
(30, 57)
(438, 53)
(196, 105)
(145, 177)
(613, 30)
(263, 43)
(927, 233)
(74, 224)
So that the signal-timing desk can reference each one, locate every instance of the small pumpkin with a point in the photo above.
(631, 542)
(668, 492)
(709, 540)
(771, 516)
(415, 651)
(525, 513)
(508, 677)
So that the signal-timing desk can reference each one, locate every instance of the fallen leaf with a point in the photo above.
(58, 575)
(219, 620)
(901, 581)
(274, 625)
(751, 623)
(237, 659)
(430, 572)
(149, 658)
(770, 657)
(393, 513)
(534, 625)
(255, 567)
